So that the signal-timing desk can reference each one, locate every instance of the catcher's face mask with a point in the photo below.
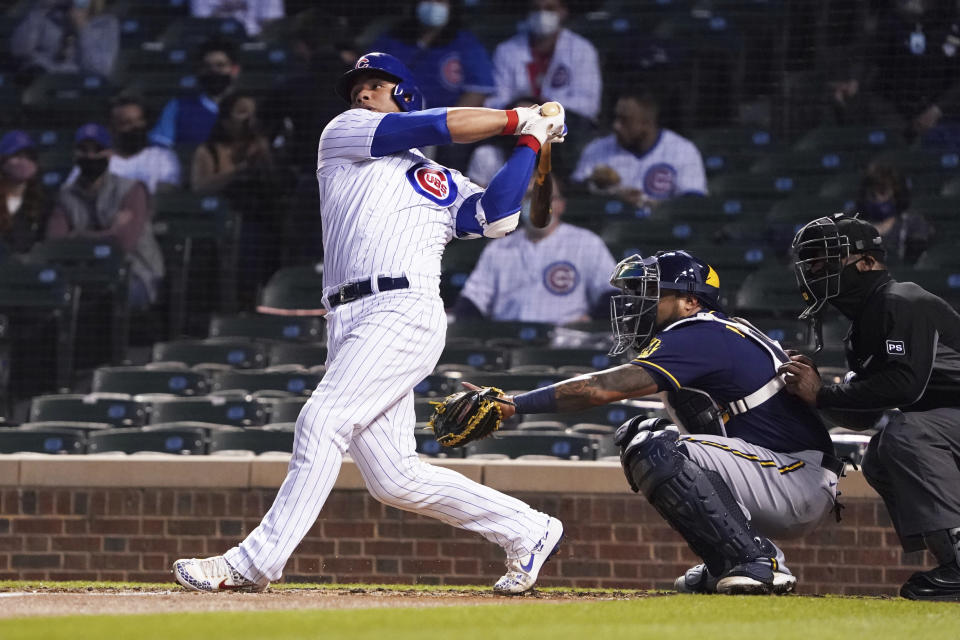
(633, 313)
(819, 250)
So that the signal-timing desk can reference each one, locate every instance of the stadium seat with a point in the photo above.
(552, 426)
(436, 385)
(234, 411)
(951, 188)
(940, 210)
(651, 235)
(9, 98)
(762, 186)
(515, 444)
(145, 60)
(192, 32)
(261, 57)
(180, 438)
(503, 334)
(141, 380)
(694, 209)
(514, 382)
(917, 161)
(789, 331)
(939, 256)
(459, 260)
(843, 187)
(591, 429)
(296, 382)
(612, 415)
(305, 354)
(42, 441)
(294, 291)
(100, 268)
(849, 138)
(483, 358)
(255, 439)
(70, 425)
(240, 353)
(268, 326)
(787, 216)
(586, 358)
(770, 292)
(284, 409)
(732, 149)
(118, 410)
(427, 445)
(54, 98)
(801, 163)
(942, 282)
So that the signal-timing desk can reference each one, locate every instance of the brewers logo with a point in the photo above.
(433, 182)
(650, 348)
(660, 180)
(561, 278)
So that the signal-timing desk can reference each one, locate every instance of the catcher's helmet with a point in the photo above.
(633, 314)
(406, 94)
(819, 249)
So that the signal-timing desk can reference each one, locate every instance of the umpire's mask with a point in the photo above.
(633, 313)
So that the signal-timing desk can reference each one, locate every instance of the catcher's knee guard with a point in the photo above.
(694, 501)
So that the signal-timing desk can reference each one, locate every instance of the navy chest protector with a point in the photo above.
(696, 411)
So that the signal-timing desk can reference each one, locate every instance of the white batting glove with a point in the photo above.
(525, 115)
(546, 128)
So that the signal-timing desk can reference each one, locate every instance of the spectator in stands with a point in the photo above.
(548, 62)
(132, 156)
(917, 52)
(189, 119)
(640, 162)
(24, 207)
(884, 201)
(451, 66)
(559, 274)
(253, 14)
(487, 158)
(101, 204)
(237, 163)
(67, 36)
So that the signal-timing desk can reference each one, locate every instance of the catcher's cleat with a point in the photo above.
(698, 579)
(522, 572)
(212, 575)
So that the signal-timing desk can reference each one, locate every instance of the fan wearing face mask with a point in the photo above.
(23, 205)
(548, 62)
(101, 204)
(133, 155)
(884, 202)
(452, 68)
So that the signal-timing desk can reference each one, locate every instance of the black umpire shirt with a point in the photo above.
(905, 350)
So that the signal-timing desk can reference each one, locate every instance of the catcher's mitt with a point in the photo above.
(467, 416)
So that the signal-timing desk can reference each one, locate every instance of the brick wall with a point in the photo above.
(613, 540)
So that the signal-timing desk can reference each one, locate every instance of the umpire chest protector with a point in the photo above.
(696, 411)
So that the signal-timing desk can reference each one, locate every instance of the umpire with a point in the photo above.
(902, 349)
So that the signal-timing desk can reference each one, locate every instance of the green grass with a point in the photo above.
(711, 617)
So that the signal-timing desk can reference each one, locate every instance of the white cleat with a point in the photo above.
(212, 575)
(522, 573)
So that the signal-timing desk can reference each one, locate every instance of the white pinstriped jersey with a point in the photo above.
(672, 167)
(573, 77)
(557, 280)
(383, 216)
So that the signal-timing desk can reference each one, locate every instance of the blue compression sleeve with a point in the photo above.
(502, 197)
(402, 131)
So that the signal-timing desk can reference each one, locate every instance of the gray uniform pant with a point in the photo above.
(784, 495)
(914, 464)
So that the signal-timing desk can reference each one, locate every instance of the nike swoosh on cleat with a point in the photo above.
(225, 586)
(528, 565)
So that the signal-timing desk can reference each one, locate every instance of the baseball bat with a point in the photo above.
(540, 200)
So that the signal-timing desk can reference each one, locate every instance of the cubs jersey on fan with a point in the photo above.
(557, 280)
(672, 167)
(572, 77)
(443, 72)
(391, 215)
(715, 358)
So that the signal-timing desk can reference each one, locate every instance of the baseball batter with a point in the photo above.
(387, 213)
(757, 463)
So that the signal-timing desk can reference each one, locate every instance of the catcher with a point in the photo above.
(757, 463)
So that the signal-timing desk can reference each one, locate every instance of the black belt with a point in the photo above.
(832, 463)
(355, 290)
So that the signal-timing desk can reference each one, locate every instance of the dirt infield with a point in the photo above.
(106, 601)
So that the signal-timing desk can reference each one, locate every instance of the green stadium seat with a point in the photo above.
(77, 426)
(514, 381)
(586, 358)
(178, 438)
(192, 32)
(800, 163)
(762, 186)
(234, 411)
(436, 385)
(937, 209)
(427, 445)
(132, 63)
(60, 441)
(653, 235)
(295, 382)
(612, 415)
(732, 149)
(915, 161)
(142, 380)
(944, 282)
(118, 410)
(241, 353)
(503, 334)
(457, 264)
(939, 256)
(770, 292)
(255, 439)
(284, 409)
(294, 291)
(55, 98)
(951, 188)
(305, 354)
(515, 444)
(268, 326)
(547, 426)
(844, 187)
(851, 138)
(483, 358)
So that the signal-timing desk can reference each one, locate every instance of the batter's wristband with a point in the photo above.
(538, 401)
(529, 141)
(512, 121)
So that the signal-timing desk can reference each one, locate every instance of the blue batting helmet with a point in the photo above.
(633, 314)
(406, 94)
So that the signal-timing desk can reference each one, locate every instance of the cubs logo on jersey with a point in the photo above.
(660, 180)
(433, 182)
(451, 72)
(560, 77)
(561, 278)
